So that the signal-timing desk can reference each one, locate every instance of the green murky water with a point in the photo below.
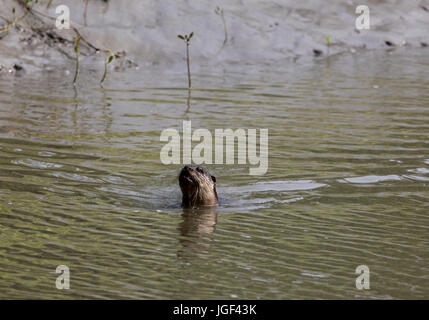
(82, 184)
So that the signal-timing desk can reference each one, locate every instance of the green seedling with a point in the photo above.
(328, 43)
(187, 39)
(106, 62)
(76, 50)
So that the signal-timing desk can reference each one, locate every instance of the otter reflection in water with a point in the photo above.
(198, 223)
(199, 200)
(196, 231)
(198, 187)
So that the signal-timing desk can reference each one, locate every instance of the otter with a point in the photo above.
(198, 187)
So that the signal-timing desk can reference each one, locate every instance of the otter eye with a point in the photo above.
(214, 178)
(199, 169)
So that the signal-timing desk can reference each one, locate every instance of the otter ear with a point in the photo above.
(214, 178)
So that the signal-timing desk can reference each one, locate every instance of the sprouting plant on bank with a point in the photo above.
(76, 50)
(219, 12)
(187, 39)
(16, 20)
(106, 62)
(78, 42)
(328, 43)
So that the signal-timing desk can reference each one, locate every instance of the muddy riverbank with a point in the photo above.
(249, 32)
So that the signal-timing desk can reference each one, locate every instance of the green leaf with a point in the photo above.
(110, 59)
(180, 36)
(190, 36)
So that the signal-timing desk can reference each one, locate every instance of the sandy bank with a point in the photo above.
(257, 31)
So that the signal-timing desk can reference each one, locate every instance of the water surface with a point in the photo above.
(82, 184)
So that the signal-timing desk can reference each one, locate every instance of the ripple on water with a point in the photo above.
(419, 170)
(372, 179)
(269, 186)
(82, 184)
(37, 164)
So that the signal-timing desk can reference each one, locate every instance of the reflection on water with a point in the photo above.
(82, 184)
(196, 226)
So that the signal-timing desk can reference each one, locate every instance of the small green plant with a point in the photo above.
(15, 20)
(187, 38)
(76, 50)
(106, 62)
(219, 12)
(78, 40)
(328, 43)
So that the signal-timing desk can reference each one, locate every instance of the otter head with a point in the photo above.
(198, 187)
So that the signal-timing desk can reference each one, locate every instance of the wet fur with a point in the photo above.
(198, 187)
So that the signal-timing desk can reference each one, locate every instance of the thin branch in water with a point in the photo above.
(187, 39)
(328, 43)
(109, 59)
(76, 50)
(188, 64)
(188, 101)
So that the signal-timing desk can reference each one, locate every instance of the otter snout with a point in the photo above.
(198, 187)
